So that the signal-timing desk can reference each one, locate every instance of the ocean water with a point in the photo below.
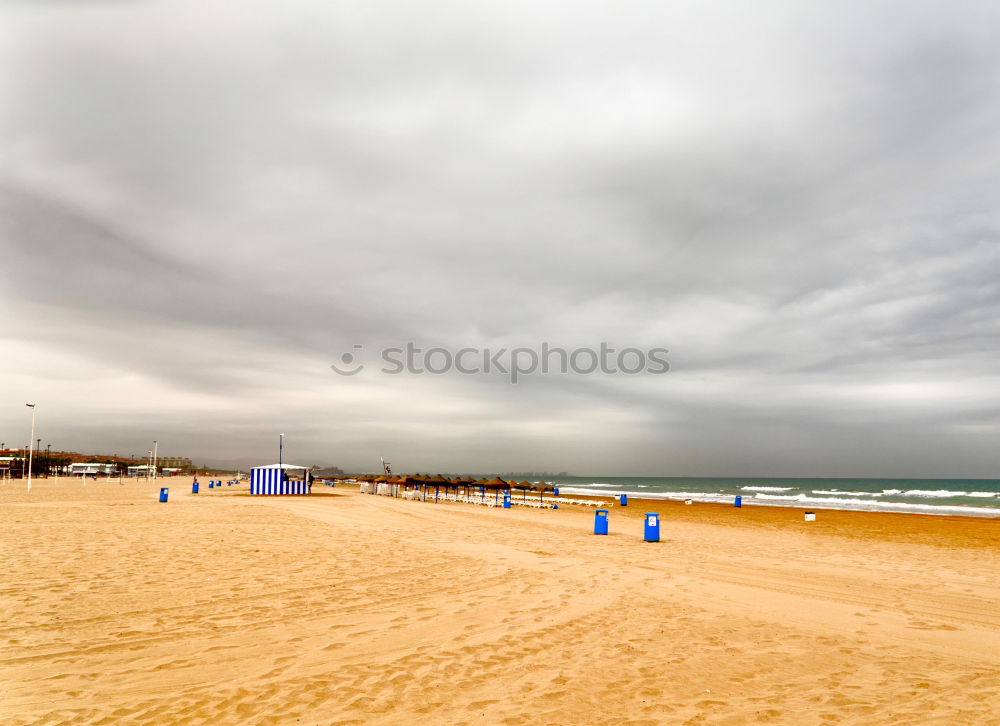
(968, 497)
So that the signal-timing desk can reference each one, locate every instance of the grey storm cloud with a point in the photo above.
(205, 204)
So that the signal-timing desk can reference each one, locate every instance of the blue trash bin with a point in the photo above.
(163, 494)
(623, 500)
(738, 502)
(651, 528)
(601, 521)
(211, 485)
(506, 500)
(194, 488)
(555, 491)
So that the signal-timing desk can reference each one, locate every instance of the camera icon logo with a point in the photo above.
(348, 360)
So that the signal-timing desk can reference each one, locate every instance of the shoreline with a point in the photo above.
(813, 503)
(890, 526)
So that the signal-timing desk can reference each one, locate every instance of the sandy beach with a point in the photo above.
(344, 608)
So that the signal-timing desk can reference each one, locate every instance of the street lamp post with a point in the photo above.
(31, 450)
(154, 461)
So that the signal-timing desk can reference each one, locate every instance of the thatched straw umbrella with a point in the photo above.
(458, 481)
(542, 487)
(394, 482)
(523, 486)
(437, 482)
(496, 484)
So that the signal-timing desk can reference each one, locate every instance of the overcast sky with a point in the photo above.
(205, 204)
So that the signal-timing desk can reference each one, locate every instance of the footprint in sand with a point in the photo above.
(482, 704)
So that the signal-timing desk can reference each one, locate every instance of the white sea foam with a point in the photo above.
(934, 493)
(805, 498)
(819, 498)
(846, 494)
(693, 495)
(874, 505)
(703, 496)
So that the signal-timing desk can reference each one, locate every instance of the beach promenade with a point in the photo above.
(344, 608)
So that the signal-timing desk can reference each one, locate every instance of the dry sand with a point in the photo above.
(345, 608)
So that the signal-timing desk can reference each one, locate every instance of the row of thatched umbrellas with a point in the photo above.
(496, 484)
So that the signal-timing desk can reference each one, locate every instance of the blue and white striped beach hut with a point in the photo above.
(273, 479)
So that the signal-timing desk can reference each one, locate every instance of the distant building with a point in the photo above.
(174, 462)
(90, 468)
(147, 470)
